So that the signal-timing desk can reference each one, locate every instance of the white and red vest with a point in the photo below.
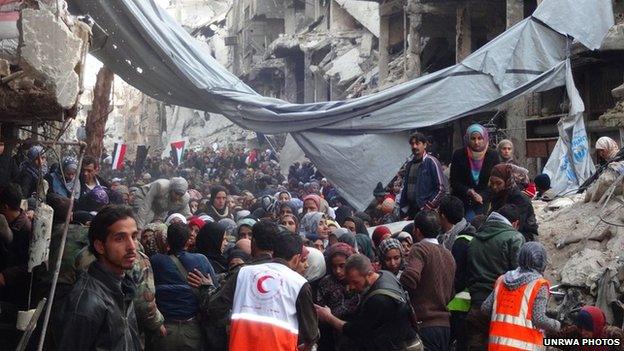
(264, 313)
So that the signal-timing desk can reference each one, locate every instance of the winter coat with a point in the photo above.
(431, 185)
(98, 313)
(152, 202)
(492, 252)
(461, 177)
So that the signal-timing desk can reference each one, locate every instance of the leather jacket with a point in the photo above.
(98, 313)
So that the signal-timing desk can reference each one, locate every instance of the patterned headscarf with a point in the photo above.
(338, 249)
(154, 238)
(70, 163)
(608, 144)
(387, 245)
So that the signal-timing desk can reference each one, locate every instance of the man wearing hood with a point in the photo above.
(492, 252)
(521, 293)
(161, 197)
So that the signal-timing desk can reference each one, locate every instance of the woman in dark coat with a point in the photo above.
(470, 171)
(211, 243)
(505, 191)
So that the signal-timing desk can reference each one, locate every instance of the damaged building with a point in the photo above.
(303, 51)
(327, 50)
(42, 53)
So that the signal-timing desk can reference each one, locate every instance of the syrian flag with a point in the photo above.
(119, 153)
(177, 150)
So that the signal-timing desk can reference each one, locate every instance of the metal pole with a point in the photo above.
(59, 258)
(31, 326)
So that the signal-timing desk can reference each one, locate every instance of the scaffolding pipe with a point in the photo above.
(59, 258)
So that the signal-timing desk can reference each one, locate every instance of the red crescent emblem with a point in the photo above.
(261, 280)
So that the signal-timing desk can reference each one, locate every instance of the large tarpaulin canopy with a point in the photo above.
(359, 142)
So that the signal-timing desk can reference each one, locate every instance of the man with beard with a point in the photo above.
(424, 184)
(384, 317)
(98, 313)
(159, 198)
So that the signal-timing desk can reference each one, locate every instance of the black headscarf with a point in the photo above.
(208, 243)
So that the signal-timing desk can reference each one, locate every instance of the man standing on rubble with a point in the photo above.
(492, 252)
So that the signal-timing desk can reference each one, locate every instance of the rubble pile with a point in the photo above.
(584, 252)
(40, 63)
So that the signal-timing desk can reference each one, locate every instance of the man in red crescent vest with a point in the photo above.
(273, 308)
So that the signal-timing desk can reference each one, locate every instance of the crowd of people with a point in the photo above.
(224, 252)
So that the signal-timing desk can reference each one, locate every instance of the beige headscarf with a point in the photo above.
(608, 144)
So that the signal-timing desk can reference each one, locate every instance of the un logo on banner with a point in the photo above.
(579, 148)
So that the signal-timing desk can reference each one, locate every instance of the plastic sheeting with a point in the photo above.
(359, 142)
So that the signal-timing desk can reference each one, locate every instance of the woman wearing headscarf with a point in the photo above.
(406, 240)
(590, 323)
(62, 179)
(211, 243)
(606, 149)
(505, 191)
(217, 206)
(154, 239)
(365, 246)
(524, 286)
(316, 268)
(391, 256)
(505, 151)
(379, 234)
(291, 222)
(470, 171)
(313, 224)
(333, 293)
(243, 230)
(31, 170)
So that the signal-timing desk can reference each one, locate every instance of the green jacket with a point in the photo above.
(493, 252)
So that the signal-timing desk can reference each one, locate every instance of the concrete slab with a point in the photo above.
(50, 51)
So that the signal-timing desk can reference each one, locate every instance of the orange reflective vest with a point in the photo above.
(511, 327)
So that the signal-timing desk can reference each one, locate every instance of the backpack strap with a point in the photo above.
(385, 292)
(184, 273)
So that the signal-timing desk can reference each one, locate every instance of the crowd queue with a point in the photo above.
(223, 252)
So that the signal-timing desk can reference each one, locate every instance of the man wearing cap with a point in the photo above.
(155, 200)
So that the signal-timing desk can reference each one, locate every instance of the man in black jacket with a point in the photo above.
(89, 177)
(384, 317)
(98, 313)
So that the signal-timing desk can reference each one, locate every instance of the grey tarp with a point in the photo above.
(358, 142)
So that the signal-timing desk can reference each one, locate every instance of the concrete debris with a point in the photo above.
(365, 12)
(50, 51)
(583, 268)
(8, 50)
(581, 247)
(5, 68)
(345, 68)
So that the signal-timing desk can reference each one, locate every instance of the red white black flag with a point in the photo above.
(119, 153)
(177, 150)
